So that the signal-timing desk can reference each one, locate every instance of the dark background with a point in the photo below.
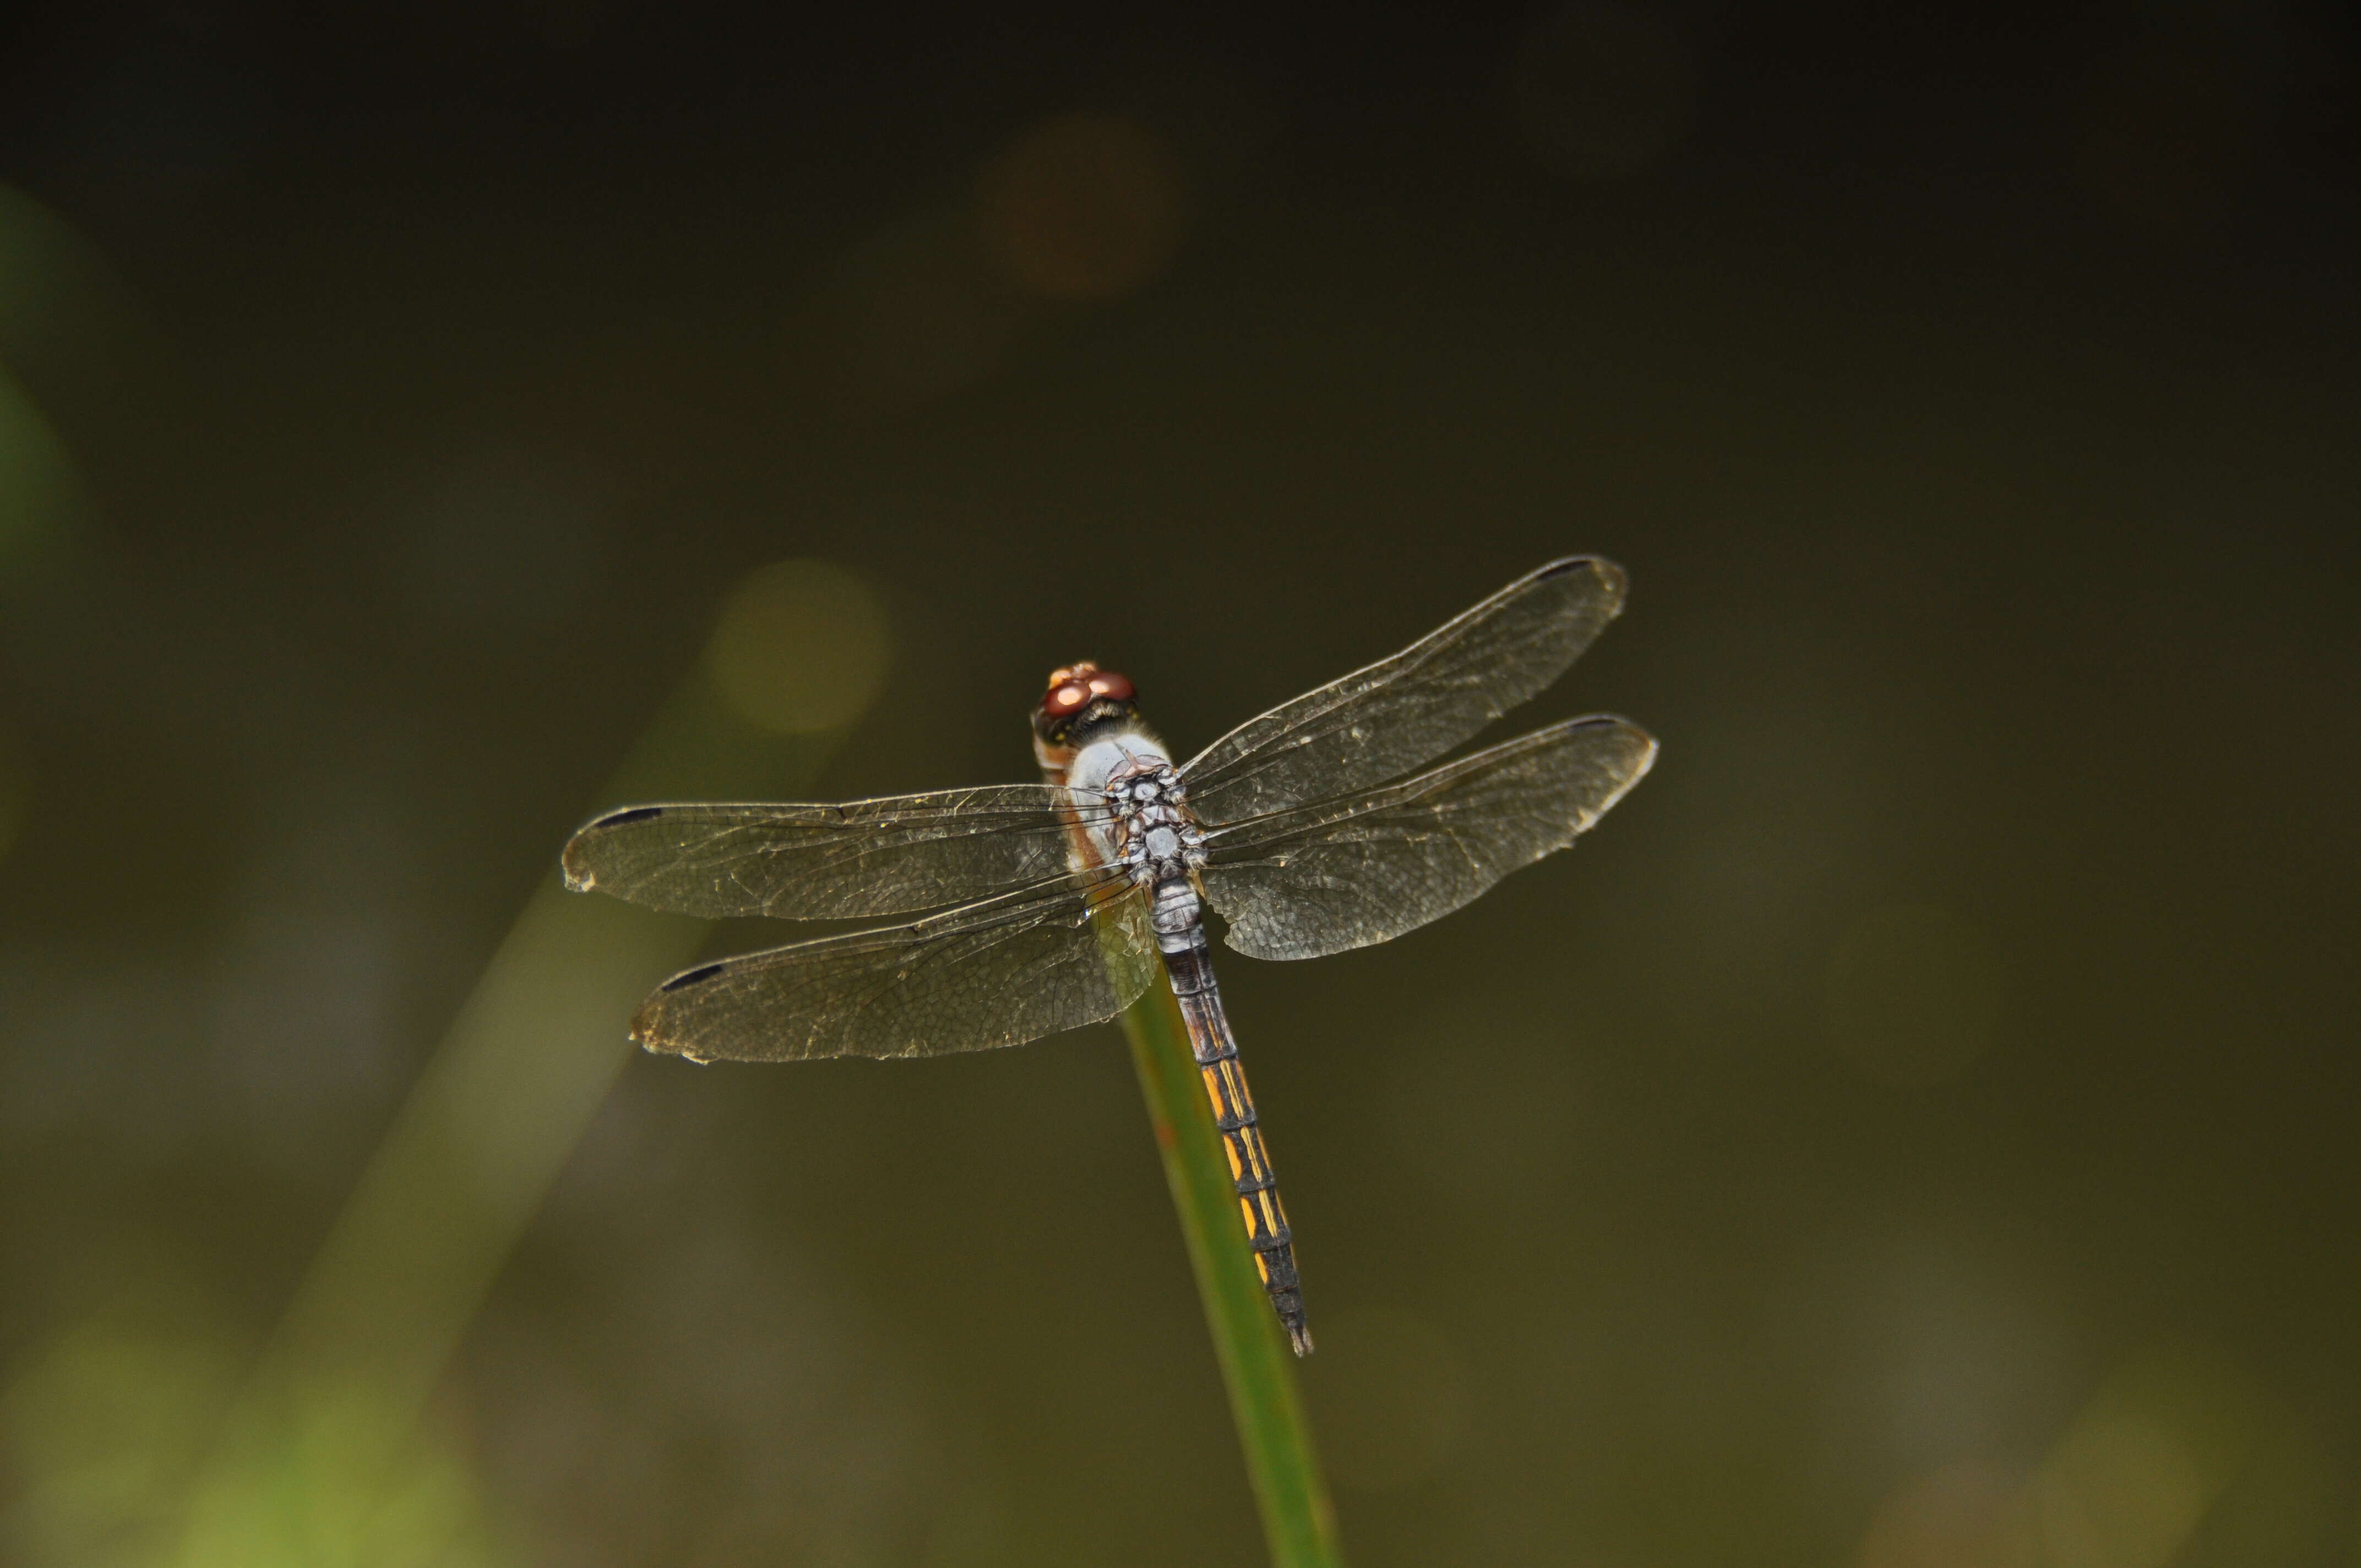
(1916, 1129)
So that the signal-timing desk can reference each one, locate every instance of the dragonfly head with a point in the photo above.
(1081, 698)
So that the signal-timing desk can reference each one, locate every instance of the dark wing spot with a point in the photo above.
(691, 977)
(629, 814)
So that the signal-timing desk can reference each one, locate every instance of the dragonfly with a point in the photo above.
(1034, 908)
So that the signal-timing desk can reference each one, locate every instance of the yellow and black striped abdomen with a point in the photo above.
(1233, 1113)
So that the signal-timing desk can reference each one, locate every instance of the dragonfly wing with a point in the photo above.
(1384, 719)
(1347, 872)
(825, 862)
(1072, 951)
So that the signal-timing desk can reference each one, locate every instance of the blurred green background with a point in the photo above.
(1915, 1130)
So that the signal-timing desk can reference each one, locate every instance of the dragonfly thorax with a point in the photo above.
(1157, 838)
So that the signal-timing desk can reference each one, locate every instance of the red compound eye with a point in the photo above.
(1065, 699)
(1107, 684)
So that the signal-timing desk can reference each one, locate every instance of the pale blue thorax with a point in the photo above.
(1087, 774)
(1148, 829)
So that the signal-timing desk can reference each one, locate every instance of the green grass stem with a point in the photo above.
(1297, 1517)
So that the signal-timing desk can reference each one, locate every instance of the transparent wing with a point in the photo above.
(1071, 951)
(1346, 873)
(1397, 713)
(825, 862)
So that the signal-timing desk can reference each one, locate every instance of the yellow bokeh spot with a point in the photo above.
(37, 486)
(2176, 1443)
(102, 1425)
(802, 646)
(2139, 1467)
(2121, 1492)
(117, 1438)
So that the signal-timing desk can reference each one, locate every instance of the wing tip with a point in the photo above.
(580, 877)
(649, 1036)
(648, 1031)
(1644, 762)
(1648, 745)
(1614, 582)
(1649, 750)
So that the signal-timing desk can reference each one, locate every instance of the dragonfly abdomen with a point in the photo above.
(1192, 969)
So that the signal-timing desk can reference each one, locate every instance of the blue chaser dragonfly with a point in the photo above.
(1058, 901)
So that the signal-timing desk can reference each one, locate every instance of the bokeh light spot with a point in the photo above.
(1913, 994)
(1391, 1398)
(2120, 1494)
(1603, 91)
(801, 646)
(103, 1424)
(347, 1476)
(37, 486)
(2139, 1467)
(1083, 207)
(1969, 1515)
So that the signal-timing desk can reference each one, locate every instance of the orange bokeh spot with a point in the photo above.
(1083, 207)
